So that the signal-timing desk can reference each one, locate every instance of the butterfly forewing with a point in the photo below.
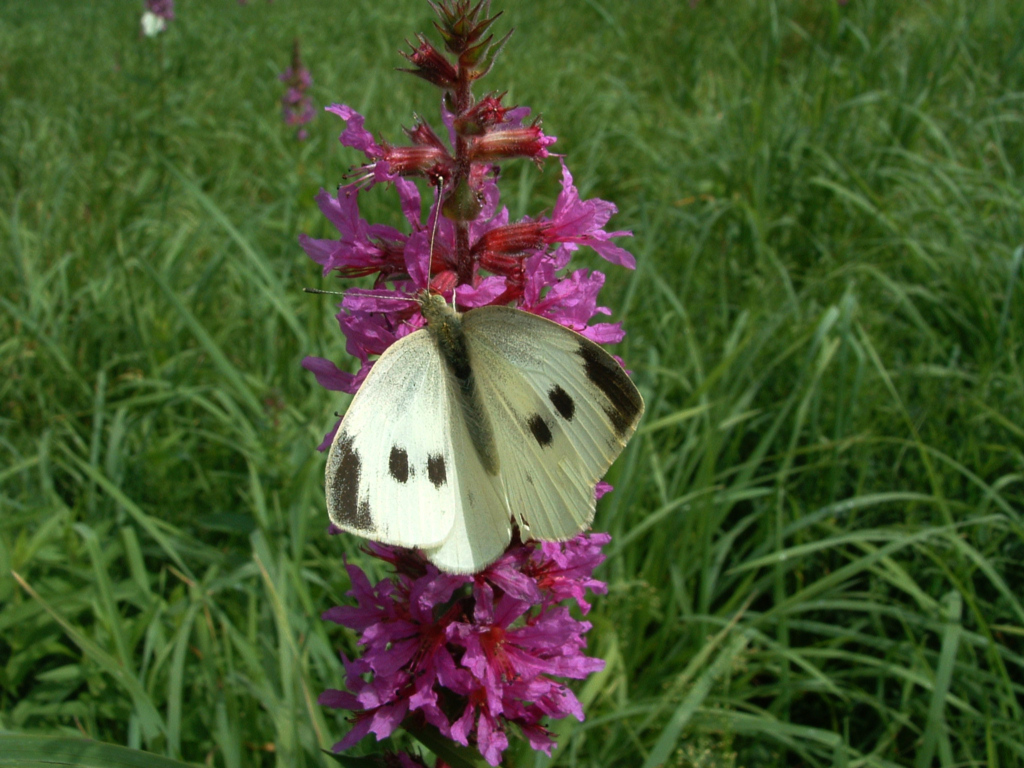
(391, 469)
(562, 410)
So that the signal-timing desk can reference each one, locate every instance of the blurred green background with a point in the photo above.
(817, 533)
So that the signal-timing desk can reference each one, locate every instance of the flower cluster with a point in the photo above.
(296, 105)
(155, 17)
(529, 273)
(470, 655)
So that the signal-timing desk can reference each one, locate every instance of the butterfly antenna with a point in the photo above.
(438, 186)
(375, 295)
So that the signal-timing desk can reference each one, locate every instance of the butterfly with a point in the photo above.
(479, 422)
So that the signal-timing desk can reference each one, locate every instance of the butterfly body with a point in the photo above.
(445, 325)
(478, 422)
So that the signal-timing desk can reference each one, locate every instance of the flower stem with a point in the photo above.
(444, 748)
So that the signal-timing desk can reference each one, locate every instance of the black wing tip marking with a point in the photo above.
(540, 430)
(437, 472)
(563, 402)
(346, 469)
(398, 464)
(624, 402)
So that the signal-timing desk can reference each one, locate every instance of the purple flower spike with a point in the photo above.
(483, 656)
(469, 654)
(162, 8)
(296, 105)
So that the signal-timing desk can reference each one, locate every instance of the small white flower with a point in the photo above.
(153, 25)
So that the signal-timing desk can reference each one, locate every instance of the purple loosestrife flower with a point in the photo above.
(519, 261)
(162, 8)
(296, 105)
(469, 655)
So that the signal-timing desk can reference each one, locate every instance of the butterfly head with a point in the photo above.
(435, 309)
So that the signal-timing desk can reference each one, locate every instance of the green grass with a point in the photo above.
(817, 533)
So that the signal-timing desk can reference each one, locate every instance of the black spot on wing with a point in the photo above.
(363, 519)
(563, 402)
(624, 402)
(541, 431)
(398, 464)
(343, 488)
(436, 471)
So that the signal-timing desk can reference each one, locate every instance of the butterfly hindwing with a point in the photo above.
(482, 527)
(391, 471)
(561, 408)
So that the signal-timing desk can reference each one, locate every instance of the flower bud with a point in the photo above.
(431, 65)
(482, 115)
(500, 263)
(413, 161)
(513, 238)
(444, 281)
(423, 135)
(529, 141)
(461, 25)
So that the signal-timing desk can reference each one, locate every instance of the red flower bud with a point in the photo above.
(445, 281)
(482, 115)
(500, 263)
(416, 161)
(461, 25)
(513, 238)
(529, 141)
(431, 65)
(423, 135)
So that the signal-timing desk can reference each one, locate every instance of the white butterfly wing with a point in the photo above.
(409, 467)
(562, 409)
(391, 469)
(482, 527)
